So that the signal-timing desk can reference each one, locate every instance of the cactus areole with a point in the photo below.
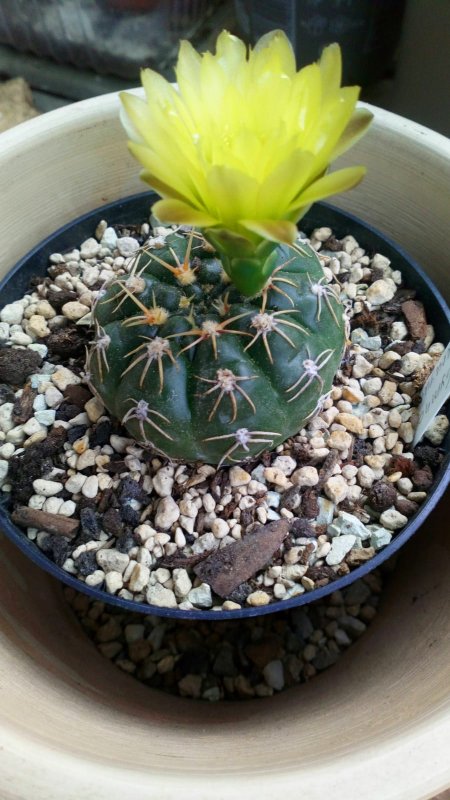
(223, 335)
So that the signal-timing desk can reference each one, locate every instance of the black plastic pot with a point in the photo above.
(136, 209)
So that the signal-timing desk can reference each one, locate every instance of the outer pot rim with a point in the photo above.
(321, 214)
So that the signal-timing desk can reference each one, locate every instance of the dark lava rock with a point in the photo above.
(67, 411)
(89, 523)
(125, 542)
(76, 433)
(86, 563)
(57, 548)
(101, 434)
(130, 515)
(16, 365)
(112, 522)
(66, 342)
(131, 490)
(382, 495)
(240, 593)
(428, 455)
(6, 394)
(422, 478)
(58, 299)
(78, 395)
(405, 506)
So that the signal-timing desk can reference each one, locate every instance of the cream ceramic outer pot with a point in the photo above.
(374, 727)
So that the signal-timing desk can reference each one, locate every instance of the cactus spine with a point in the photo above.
(199, 372)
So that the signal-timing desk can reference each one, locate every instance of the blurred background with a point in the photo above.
(54, 52)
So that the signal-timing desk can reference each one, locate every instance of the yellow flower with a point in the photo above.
(241, 147)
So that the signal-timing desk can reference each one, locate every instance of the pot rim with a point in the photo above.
(320, 211)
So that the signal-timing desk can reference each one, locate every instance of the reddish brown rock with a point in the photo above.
(416, 320)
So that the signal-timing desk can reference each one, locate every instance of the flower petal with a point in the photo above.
(276, 230)
(177, 212)
(285, 182)
(232, 193)
(330, 64)
(339, 181)
(356, 128)
(274, 51)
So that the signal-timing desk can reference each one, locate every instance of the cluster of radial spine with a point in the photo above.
(262, 324)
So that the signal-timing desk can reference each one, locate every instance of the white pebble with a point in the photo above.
(52, 505)
(201, 596)
(64, 377)
(381, 291)
(89, 248)
(167, 513)
(336, 488)
(361, 367)
(95, 578)
(94, 409)
(112, 560)
(239, 476)
(158, 595)
(163, 482)
(285, 463)
(392, 519)
(75, 482)
(90, 486)
(220, 528)
(4, 466)
(47, 488)
(438, 429)
(67, 508)
(139, 578)
(341, 545)
(114, 582)
(182, 583)
(12, 313)
(45, 417)
(127, 246)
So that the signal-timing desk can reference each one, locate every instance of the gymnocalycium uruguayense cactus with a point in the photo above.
(223, 339)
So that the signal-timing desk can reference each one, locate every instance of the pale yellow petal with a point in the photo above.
(330, 64)
(276, 230)
(274, 50)
(335, 182)
(165, 171)
(231, 53)
(284, 183)
(175, 212)
(231, 193)
(356, 128)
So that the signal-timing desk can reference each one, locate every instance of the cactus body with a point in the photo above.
(199, 372)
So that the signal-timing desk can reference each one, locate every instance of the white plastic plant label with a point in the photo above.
(434, 394)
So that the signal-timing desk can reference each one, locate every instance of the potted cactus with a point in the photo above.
(225, 337)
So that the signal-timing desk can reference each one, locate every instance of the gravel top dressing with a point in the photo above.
(231, 659)
(121, 518)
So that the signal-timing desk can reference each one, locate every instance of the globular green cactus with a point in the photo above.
(199, 371)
